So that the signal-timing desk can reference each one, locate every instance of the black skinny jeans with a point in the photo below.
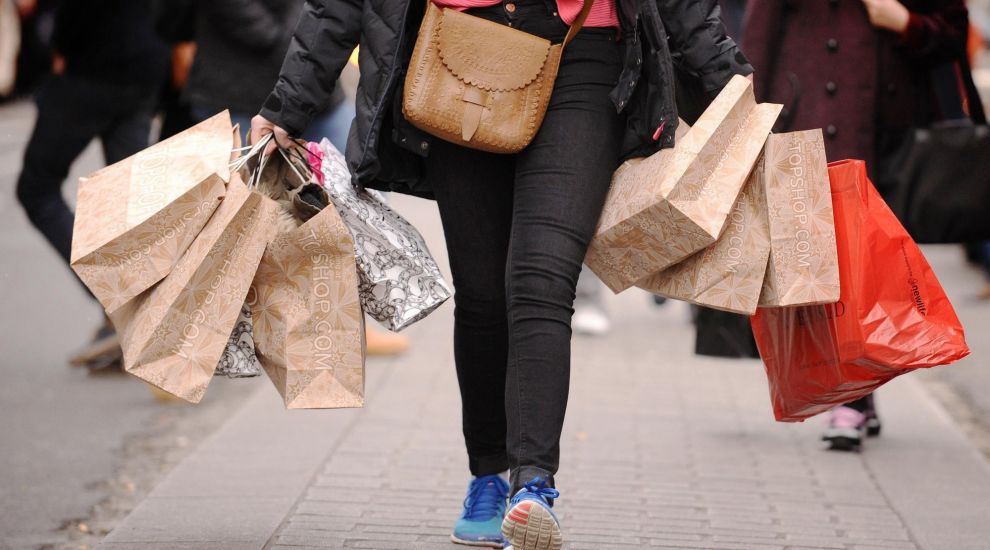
(517, 230)
(71, 112)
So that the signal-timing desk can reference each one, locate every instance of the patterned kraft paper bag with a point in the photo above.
(663, 208)
(729, 274)
(134, 219)
(803, 268)
(174, 334)
(308, 323)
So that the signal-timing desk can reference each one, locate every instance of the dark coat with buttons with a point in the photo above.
(833, 70)
(386, 152)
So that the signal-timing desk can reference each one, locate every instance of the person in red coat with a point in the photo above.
(863, 71)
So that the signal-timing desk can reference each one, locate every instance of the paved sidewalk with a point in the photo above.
(661, 449)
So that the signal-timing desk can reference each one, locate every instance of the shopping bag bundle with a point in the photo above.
(843, 300)
(778, 247)
(210, 262)
(308, 322)
(892, 315)
(663, 208)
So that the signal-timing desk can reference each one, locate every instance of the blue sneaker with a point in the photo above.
(531, 523)
(484, 507)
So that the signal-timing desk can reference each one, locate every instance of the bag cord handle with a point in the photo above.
(579, 21)
(973, 100)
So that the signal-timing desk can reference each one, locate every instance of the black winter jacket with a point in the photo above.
(386, 152)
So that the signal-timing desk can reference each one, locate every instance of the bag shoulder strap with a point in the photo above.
(579, 21)
(973, 100)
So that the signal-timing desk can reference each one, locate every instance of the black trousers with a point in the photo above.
(71, 112)
(517, 230)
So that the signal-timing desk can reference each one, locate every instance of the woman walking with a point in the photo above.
(864, 71)
(517, 225)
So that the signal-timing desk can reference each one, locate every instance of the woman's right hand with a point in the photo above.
(261, 127)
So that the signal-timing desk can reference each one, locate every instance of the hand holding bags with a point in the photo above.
(400, 281)
(892, 315)
(664, 208)
(136, 218)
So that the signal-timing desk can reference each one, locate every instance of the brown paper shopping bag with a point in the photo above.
(663, 208)
(803, 268)
(727, 275)
(135, 219)
(308, 323)
(174, 334)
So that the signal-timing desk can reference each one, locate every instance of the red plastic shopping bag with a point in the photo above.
(892, 315)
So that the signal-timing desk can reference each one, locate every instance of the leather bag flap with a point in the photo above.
(488, 55)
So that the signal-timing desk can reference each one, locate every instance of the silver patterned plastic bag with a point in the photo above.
(239, 359)
(400, 282)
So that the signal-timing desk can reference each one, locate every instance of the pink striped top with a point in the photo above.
(602, 14)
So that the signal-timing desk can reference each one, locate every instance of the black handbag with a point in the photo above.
(938, 181)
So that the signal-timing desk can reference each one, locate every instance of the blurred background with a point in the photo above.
(81, 443)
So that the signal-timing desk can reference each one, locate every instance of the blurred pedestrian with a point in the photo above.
(590, 316)
(862, 70)
(34, 56)
(240, 45)
(176, 25)
(107, 69)
(517, 226)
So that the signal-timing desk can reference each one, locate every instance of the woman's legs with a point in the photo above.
(474, 196)
(561, 181)
(517, 230)
(532, 216)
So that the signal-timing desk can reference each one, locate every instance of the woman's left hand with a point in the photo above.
(888, 14)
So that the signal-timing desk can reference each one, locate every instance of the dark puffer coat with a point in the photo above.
(386, 152)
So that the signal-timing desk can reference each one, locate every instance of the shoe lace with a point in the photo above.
(485, 498)
(538, 486)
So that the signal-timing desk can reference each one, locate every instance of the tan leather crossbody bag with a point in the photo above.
(480, 84)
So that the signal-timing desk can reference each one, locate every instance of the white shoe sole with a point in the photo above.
(529, 526)
(476, 544)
